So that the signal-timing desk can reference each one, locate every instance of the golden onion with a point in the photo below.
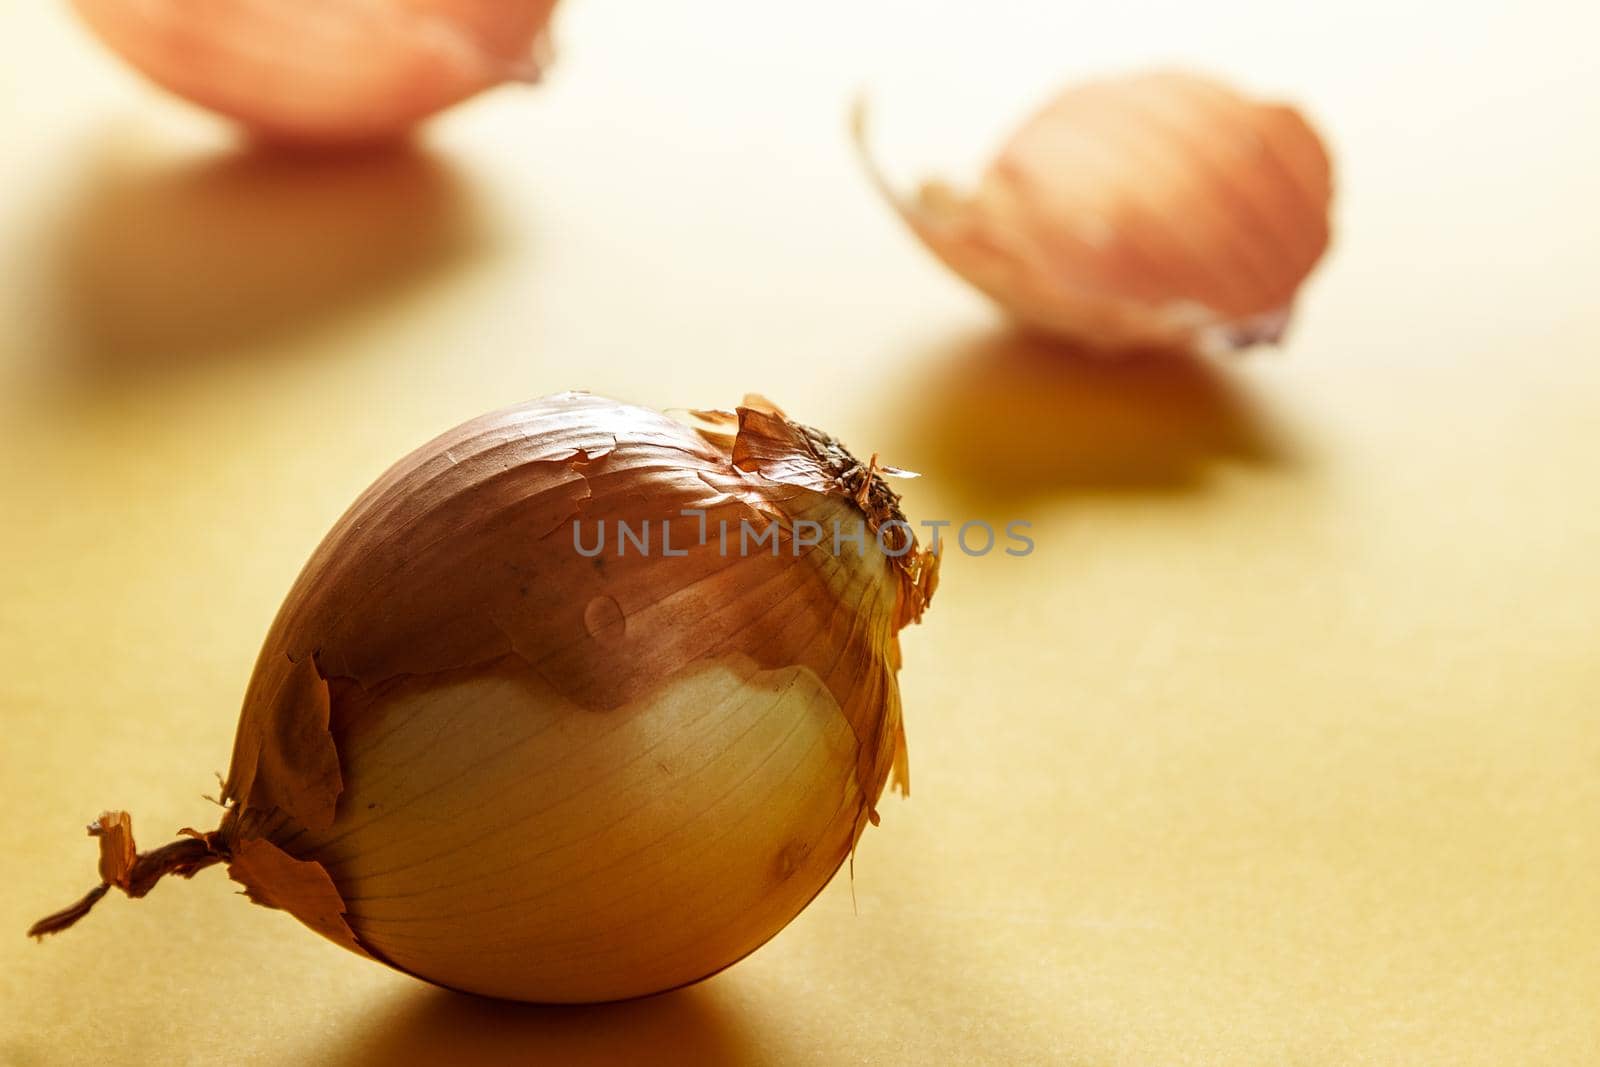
(329, 70)
(481, 752)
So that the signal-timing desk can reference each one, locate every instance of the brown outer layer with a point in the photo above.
(462, 554)
(274, 878)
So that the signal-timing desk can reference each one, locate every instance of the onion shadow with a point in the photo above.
(1007, 416)
(161, 267)
(689, 1025)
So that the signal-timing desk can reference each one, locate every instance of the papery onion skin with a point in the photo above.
(329, 71)
(1160, 210)
(474, 753)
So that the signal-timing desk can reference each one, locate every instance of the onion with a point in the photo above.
(330, 70)
(481, 755)
(1159, 210)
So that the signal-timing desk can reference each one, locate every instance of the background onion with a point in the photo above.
(1160, 210)
(331, 70)
(483, 757)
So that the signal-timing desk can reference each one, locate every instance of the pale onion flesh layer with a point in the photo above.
(495, 837)
(325, 71)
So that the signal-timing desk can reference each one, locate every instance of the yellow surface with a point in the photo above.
(1284, 747)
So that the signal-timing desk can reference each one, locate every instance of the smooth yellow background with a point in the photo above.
(1282, 748)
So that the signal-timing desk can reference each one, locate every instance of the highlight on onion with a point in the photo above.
(1159, 210)
(326, 70)
(483, 749)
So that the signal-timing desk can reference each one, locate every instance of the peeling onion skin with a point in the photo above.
(325, 71)
(479, 756)
(1154, 211)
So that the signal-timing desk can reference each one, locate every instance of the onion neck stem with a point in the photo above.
(183, 858)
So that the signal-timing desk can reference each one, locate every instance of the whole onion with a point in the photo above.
(325, 70)
(479, 751)
(1157, 210)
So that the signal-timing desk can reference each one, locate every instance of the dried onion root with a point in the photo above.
(477, 753)
(330, 70)
(1159, 210)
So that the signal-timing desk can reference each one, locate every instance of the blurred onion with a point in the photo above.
(1158, 210)
(325, 70)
